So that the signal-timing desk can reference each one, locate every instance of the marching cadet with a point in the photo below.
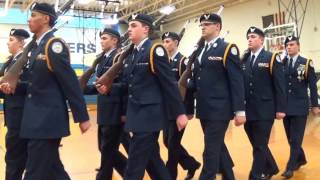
(150, 88)
(265, 101)
(218, 83)
(51, 84)
(110, 127)
(16, 147)
(300, 76)
(171, 135)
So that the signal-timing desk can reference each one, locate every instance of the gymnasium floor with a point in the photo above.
(80, 155)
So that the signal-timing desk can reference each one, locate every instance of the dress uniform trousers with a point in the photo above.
(258, 133)
(110, 155)
(16, 154)
(294, 127)
(43, 156)
(215, 156)
(178, 154)
(144, 148)
(125, 138)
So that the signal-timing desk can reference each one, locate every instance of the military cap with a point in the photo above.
(171, 35)
(211, 18)
(144, 18)
(19, 32)
(290, 38)
(255, 30)
(44, 8)
(111, 32)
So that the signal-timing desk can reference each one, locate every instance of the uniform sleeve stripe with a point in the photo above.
(274, 55)
(226, 54)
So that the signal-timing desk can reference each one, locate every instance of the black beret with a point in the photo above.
(144, 18)
(19, 32)
(44, 8)
(255, 30)
(211, 17)
(171, 35)
(111, 32)
(290, 38)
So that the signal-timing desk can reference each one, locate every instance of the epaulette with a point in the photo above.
(231, 48)
(160, 51)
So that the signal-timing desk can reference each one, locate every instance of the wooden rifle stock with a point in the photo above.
(108, 77)
(183, 81)
(84, 78)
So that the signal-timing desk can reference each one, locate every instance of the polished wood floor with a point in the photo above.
(80, 155)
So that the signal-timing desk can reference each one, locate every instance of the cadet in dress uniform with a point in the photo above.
(218, 83)
(171, 136)
(300, 76)
(265, 101)
(52, 83)
(16, 147)
(110, 127)
(150, 87)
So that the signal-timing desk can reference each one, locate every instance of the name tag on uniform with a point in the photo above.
(265, 65)
(215, 58)
(41, 57)
(174, 69)
(142, 64)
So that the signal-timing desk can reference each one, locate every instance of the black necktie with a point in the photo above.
(205, 48)
(290, 65)
(252, 61)
(134, 54)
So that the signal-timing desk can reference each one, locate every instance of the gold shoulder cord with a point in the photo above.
(152, 56)
(46, 52)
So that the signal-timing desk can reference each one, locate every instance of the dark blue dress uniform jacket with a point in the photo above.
(109, 105)
(13, 103)
(298, 80)
(149, 93)
(52, 85)
(265, 86)
(218, 83)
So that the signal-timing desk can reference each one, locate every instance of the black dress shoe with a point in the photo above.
(299, 165)
(267, 176)
(287, 174)
(191, 172)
